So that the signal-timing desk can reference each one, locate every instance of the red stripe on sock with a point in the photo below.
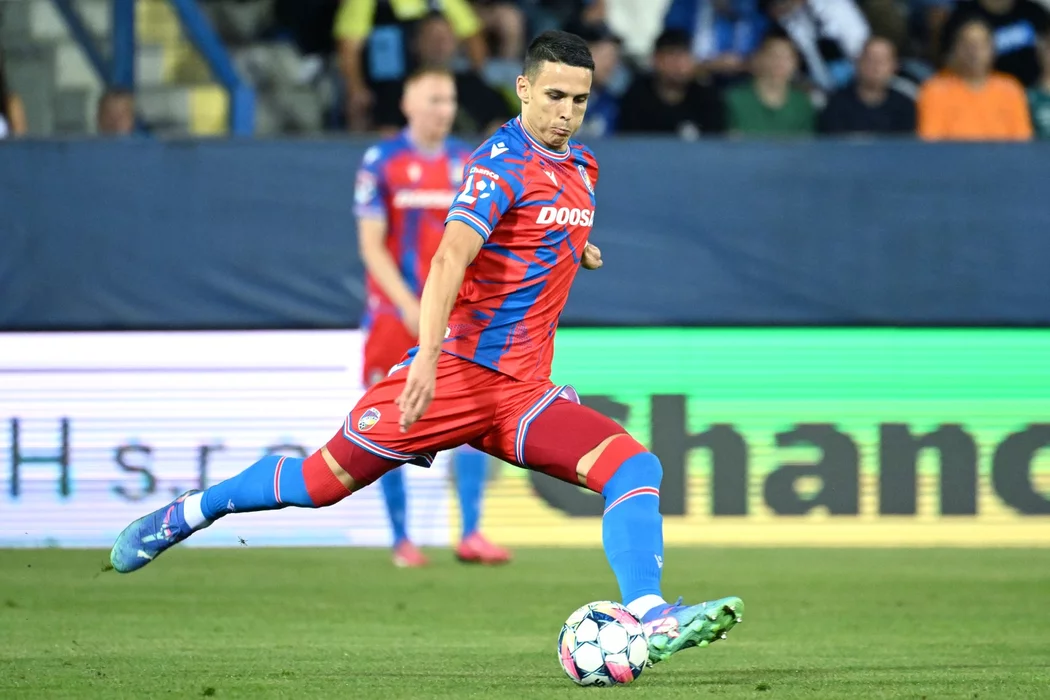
(640, 491)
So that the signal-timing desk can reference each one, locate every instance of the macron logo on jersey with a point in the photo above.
(498, 149)
(565, 215)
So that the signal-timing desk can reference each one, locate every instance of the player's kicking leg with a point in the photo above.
(470, 467)
(561, 442)
(271, 483)
(369, 445)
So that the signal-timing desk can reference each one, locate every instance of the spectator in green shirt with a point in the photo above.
(1039, 94)
(769, 105)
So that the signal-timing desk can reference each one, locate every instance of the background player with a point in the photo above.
(513, 242)
(404, 189)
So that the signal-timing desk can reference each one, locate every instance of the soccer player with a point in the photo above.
(514, 239)
(404, 189)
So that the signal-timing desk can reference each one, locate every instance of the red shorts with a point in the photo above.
(387, 342)
(477, 406)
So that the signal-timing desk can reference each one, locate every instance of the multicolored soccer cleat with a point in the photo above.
(408, 556)
(673, 628)
(475, 549)
(150, 536)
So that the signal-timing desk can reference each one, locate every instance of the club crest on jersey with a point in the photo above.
(368, 420)
(586, 178)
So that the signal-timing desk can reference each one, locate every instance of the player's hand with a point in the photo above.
(410, 318)
(418, 391)
(592, 257)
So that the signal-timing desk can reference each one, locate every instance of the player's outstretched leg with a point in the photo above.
(628, 477)
(406, 554)
(272, 483)
(470, 467)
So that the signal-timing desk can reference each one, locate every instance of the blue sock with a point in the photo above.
(632, 527)
(259, 487)
(471, 466)
(393, 484)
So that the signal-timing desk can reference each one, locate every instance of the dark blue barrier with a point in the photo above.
(141, 234)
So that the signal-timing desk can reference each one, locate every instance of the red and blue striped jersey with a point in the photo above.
(411, 190)
(534, 207)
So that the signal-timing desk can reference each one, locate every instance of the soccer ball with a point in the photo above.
(603, 644)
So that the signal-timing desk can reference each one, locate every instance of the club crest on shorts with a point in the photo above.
(586, 178)
(368, 420)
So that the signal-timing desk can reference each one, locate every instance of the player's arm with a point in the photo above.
(380, 264)
(459, 246)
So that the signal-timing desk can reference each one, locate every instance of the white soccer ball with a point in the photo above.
(603, 644)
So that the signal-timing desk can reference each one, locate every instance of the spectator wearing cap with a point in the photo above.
(670, 100)
(725, 33)
(870, 105)
(611, 79)
(769, 105)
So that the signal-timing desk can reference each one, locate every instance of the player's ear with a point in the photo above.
(522, 87)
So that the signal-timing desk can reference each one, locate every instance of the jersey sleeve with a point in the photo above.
(492, 184)
(369, 187)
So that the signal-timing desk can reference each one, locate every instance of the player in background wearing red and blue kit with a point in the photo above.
(404, 189)
(514, 239)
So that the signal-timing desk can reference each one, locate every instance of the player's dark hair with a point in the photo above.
(557, 47)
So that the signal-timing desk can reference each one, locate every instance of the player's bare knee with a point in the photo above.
(615, 452)
(327, 482)
(338, 471)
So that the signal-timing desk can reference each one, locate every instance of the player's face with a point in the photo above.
(554, 101)
(430, 106)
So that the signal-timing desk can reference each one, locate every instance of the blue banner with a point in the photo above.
(144, 234)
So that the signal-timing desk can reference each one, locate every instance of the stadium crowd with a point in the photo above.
(942, 69)
(938, 69)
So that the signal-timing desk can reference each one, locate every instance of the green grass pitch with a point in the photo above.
(343, 623)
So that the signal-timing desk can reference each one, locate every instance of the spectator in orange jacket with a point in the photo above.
(970, 102)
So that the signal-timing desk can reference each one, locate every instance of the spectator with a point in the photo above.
(670, 100)
(829, 35)
(969, 101)
(116, 113)
(725, 33)
(769, 105)
(869, 105)
(562, 14)
(505, 24)
(1015, 26)
(927, 20)
(374, 39)
(12, 112)
(481, 108)
(608, 85)
(1039, 96)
